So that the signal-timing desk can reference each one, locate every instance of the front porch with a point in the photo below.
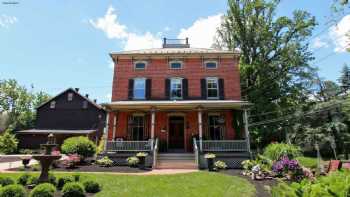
(194, 127)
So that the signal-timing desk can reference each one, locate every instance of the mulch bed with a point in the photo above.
(259, 184)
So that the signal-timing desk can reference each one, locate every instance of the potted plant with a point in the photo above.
(210, 160)
(142, 159)
(132, 161)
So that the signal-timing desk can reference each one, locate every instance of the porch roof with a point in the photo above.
(175, 104)
(55, 131)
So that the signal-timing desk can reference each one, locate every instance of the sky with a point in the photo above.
(54, 45)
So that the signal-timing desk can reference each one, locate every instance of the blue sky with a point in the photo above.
(59, 44)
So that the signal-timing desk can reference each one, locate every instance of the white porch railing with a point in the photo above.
(116, 146)
(224, 145)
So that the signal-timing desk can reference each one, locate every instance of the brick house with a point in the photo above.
(176, 99)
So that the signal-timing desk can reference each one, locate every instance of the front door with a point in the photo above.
(176, 133)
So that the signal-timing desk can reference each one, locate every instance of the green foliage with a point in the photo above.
(63, 180)
(132, 161)
(52, 179)
(264, 162)
(275, 151)
(6, 181)
(92, 186)
(220, 165)
(33, 180)
(13, 191)
(76, 177)
(105, 162)
(23, 179)
(8, 143)
(308, 162)
(101, 146)
(335, 184)
(43, 190)
(209, 156)
(73, 189)
(79, 145)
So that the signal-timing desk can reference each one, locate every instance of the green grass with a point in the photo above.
(309, 162)
(198, 184)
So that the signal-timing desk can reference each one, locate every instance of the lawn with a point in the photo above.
(192, 184)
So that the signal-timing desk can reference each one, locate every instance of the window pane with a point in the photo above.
(175, 65)
(213, 93)
(211, 65)
(139, 88)
(140, 65)
(176, 88)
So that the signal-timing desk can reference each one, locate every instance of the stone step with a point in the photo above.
(176, 165)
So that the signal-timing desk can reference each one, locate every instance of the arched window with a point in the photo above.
(140, 65)
(175, 64)
(211, 64)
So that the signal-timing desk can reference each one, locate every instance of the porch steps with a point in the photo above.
(176, 161)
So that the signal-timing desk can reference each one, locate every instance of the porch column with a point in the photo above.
(200, 129)
(153, 117)
(114, 125)
(106, 130)
(246, 130)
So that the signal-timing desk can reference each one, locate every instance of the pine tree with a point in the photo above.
(344, 78)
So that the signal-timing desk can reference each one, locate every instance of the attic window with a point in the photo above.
(52, 104)
(175, 64)
(211, 64)
(85, 104)
(70, 96)
(140, 65)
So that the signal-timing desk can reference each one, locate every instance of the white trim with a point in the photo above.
(182, 89)
(176, 61)
(217, 84)
(140, 61)
(211, 61)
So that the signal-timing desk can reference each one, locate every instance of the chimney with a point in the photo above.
(95, 100)
(76, 89)
(87, 95)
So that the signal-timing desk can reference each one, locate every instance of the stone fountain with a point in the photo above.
(47, 158)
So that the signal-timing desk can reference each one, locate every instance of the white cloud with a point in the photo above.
(340, 34)
(115, 30)
(319, 43)
(202, 32)
(109, 96)
(111, 65)
(6, 21)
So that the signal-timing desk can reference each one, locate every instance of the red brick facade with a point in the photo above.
(158, 70)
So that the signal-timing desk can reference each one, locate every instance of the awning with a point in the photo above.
(176, 104)
(54, 131)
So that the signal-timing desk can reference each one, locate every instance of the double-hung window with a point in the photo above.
(139, 88)
(176, 88)
(212, 88)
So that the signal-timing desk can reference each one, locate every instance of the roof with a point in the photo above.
(159, 51)
(54, 131)
(76, 92)
(176, 104)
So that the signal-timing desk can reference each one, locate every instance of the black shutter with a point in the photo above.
(148, 89)
(131, 89)
(167, 88)
(204, 88)
(185, 88)
(221, 89)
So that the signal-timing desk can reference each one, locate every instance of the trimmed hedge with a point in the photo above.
(13, 191)
(92, 186)
(79, 145)
(63, 180)
(73, 189)
(6, 181)
(23, 179)
(43, 190)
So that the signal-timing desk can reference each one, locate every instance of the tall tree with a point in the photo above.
(274, 62)
(344, 78)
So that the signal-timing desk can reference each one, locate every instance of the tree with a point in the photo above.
(344, 78)
(274, 55)
(19, 103)
(8, 143)
(325, 90)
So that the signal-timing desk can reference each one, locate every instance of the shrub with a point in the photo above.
(71, 161)
(63, 180)
(285, 166)
(308, 162)
(335, 184)
(73, 189)
(26, 151)
(13, 191)
(23, 179)
(33, 180)
(43, 190)
(220, 165)
(79, 145)
(6, 181)
(8, 143)
(52, 179)
(277, 150)
(264, 163)
(76, 177)
(132, 161)
(105, 162)
(92, 186)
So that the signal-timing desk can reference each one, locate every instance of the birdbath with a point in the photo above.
(47, 158)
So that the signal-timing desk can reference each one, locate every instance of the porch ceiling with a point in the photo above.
(175, 105)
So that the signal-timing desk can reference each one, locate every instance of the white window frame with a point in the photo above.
(211, 61)
(144, 88)
(176, 61)
(170, 89)
(70, 96)
(137, 62)
(217, 85)
(52, 104)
